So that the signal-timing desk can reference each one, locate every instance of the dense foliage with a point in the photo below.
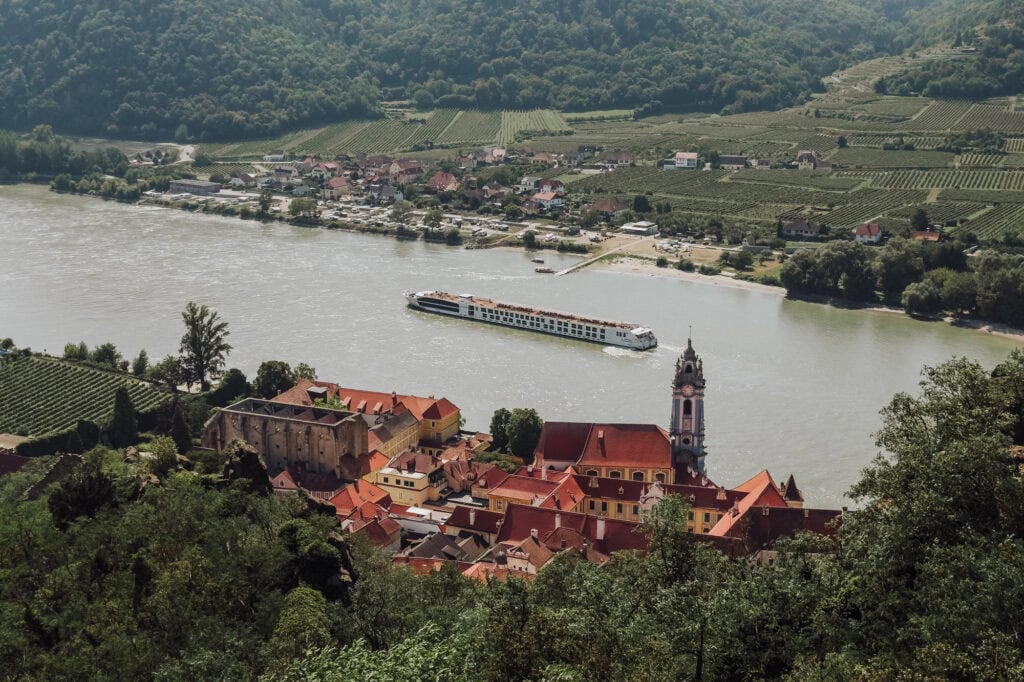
(234, 69)
(195, 576)
(992, 66)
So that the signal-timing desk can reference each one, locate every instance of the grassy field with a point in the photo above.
(45, 395)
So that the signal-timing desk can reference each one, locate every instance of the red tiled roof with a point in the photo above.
(421, 462)
(610, 206)
(520, 520)
(627, 445)
(336, 183)
(440, 409)
(524, 488)
(868, 230)
(284, 481)
(441, 180)
(484, 520)
(760, 491)
(355, 494)
(562, 441)
(544, 196)
(634, 491)
(353, 398)
(925, 235)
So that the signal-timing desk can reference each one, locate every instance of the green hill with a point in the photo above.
(44, 395)
(235, 69)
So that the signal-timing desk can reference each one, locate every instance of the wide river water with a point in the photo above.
(792, 386)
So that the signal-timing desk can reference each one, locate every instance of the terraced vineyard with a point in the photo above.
(867, 204)
(537, 121)
(995, 118)
(472, 128)
(815, 179)
(939, 115)
(952, 179)
(44, 395)
(875, 158)
(996, 222)
(1015, 145)
(980, 160)
(940, 212)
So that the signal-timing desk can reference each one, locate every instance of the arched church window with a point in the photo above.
(687, 407)
(638, 475)
(688, 369)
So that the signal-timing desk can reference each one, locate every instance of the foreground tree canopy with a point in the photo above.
(233, 69)
(111, 573)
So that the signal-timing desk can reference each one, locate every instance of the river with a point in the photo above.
(792, 386)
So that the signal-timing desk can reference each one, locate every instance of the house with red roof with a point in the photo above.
(442, 182)
(548, 200)
(375, 523)
(868, 233)
(537, 490)
(336, 187)
(355, 495)
(627, 500)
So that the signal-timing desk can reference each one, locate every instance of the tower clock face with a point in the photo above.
(687, 391)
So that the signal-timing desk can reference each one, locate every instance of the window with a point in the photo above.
(614, 474)
(689, 515)
(687, 407)
(618, 508)
(659, 477)
(636, 510)
(638, 475)
(591, 472)
(707, 518)
(385, 479)
(604, 506)
(591, 505)
(407, 484)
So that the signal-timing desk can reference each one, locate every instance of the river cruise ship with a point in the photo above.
(570, 326)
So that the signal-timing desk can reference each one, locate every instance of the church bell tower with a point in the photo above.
(687, 432)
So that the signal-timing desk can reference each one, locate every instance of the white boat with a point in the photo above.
(470, 307)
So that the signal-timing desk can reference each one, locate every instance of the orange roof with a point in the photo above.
(627, 445)
(440, 409)
(524, 488)
(761, 491)
(356, 494)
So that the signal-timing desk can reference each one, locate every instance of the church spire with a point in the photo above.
(687, 430)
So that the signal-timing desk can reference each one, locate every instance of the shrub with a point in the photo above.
(662, 262)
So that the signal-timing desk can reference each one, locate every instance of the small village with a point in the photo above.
(400, 471)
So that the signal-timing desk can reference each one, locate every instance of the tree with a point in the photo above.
(76, 352)
(641, 204)
(529, 239)
(523, 432)
(179, 430)
(920, 220)
(273, 378)
(124, 429)
(232, 385)
(168, 371)
(165, 456)
(203, 346)
(922, 298)
(83, 493)
(266, 201)
(401, 211)
(499, 429)
(841, 142)
(302, 206)
(433, 218)
(106, 354)
(304, 371)
(140, 365)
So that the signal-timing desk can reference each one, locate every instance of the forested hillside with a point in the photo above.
(234, 69)
(991, 35)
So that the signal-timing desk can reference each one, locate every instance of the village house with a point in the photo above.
(384, 193)
(529, 183)
(801, 228)
(548, 200)
(336, 187)
(538, 490)
(618, 158)
(685, 160)
(374, 522)
(732, 161)
(413, 478)
(763, 164)
(610, 209)
(442, 182)
(868, 233)
(197, 187)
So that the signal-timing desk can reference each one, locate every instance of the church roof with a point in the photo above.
(689, 359)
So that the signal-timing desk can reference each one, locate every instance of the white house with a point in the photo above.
(868, 233)
(686, 160)
(548, 200)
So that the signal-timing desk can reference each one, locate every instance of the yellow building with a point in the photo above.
(412, 478)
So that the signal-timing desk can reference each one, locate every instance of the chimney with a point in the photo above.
(472, 517)
(807, 512)
(543, 474)
(534, 534)
(529, 471)
(558, 520)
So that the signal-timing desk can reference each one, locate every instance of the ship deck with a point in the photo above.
(513, 307)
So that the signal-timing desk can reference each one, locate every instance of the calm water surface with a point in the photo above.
(792, 387)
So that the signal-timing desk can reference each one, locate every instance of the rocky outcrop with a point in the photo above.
(244, 463)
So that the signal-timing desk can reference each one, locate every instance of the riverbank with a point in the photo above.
(644, 267)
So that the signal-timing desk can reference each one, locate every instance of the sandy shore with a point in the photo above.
(638, 266)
